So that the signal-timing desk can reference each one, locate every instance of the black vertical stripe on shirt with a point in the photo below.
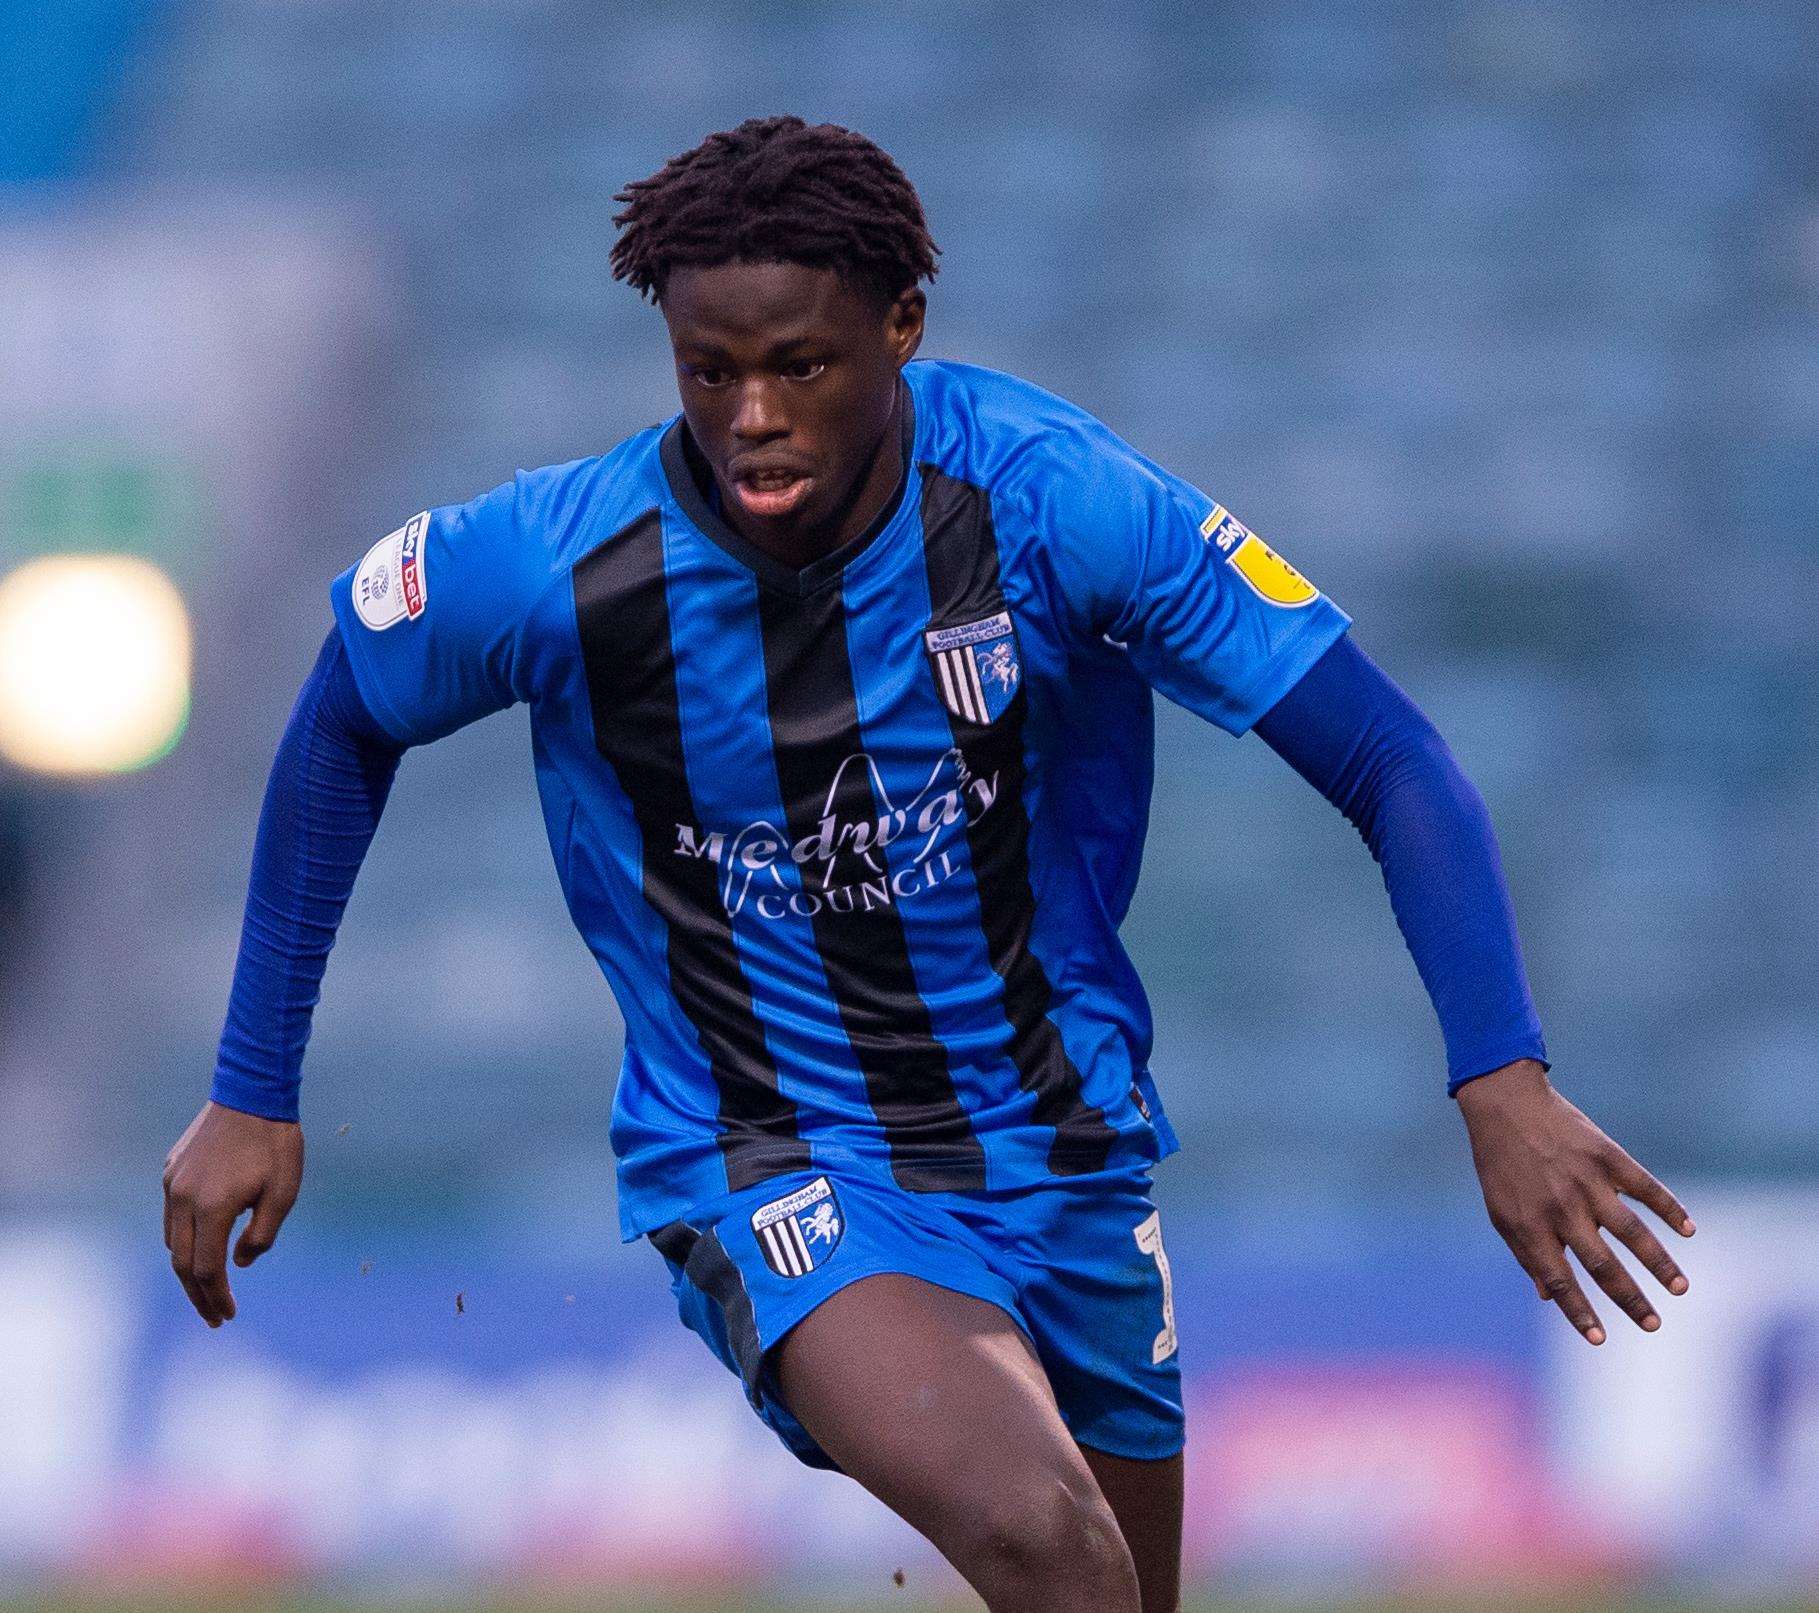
(824, 774)
(961, 550)
(622, 613)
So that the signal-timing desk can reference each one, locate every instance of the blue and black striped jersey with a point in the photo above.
(851, 843)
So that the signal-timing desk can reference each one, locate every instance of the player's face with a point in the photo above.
(788, 378)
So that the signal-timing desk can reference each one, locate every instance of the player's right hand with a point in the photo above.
(227, 1163)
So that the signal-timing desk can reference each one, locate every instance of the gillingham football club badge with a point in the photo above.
(976, 667)
(797, 1233)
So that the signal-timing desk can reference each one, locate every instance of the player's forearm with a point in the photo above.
(1438, 852)
(1351, 733)
(328, 786)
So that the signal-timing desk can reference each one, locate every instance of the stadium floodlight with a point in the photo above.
(94, 664)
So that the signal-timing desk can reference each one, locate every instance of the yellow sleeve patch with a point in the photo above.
(1270, 576)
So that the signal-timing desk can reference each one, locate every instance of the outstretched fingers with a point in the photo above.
(1555, 1282)
(1634, 1182)
(1627, 1226)
(1610, 1274)
(1544, 1258)
(1553, 1184)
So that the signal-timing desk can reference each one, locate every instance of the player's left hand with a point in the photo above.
(1552, 1180)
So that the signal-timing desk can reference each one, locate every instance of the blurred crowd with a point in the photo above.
(1499, 320)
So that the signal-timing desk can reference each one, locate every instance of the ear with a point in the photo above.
(903, 324)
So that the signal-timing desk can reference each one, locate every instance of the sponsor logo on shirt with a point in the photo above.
(842, 866)
(391, 585)
(1268, 574)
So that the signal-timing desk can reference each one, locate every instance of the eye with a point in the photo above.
(706, 375)
(804, 369)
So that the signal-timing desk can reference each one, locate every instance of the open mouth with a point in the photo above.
(771, 493)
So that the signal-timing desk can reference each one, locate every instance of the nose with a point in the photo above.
(758, 418)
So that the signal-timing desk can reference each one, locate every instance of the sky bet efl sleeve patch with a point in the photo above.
(1269, 575)
(391, 584)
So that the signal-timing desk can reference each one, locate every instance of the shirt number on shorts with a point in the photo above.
(1148, 1234)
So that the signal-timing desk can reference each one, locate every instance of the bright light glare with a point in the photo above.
(94, 664)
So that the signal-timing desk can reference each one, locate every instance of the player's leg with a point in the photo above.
(1093, 1288)
(935, 1402)
(1146, 1499)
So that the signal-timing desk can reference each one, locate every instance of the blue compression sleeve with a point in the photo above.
(328, 785)
(1352, 734)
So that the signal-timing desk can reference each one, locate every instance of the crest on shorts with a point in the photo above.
(798, 1232)
(976, 665)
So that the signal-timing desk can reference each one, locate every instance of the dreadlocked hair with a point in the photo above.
(776, 190)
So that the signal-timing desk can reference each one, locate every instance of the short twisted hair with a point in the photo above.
(776, 190)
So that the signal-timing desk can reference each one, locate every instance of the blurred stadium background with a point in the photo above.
(1499, 318)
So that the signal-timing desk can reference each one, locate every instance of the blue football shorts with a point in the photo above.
(1076, 1262)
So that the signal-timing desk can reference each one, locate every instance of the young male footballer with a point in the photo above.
(840, 688)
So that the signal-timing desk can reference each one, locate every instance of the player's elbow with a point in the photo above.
(1418, 793)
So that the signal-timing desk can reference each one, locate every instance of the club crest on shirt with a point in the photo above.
(798, 1232)
(1269, 575)
(976, 667)
(391, 585)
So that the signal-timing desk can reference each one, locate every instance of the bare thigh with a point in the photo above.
(935, 1402)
